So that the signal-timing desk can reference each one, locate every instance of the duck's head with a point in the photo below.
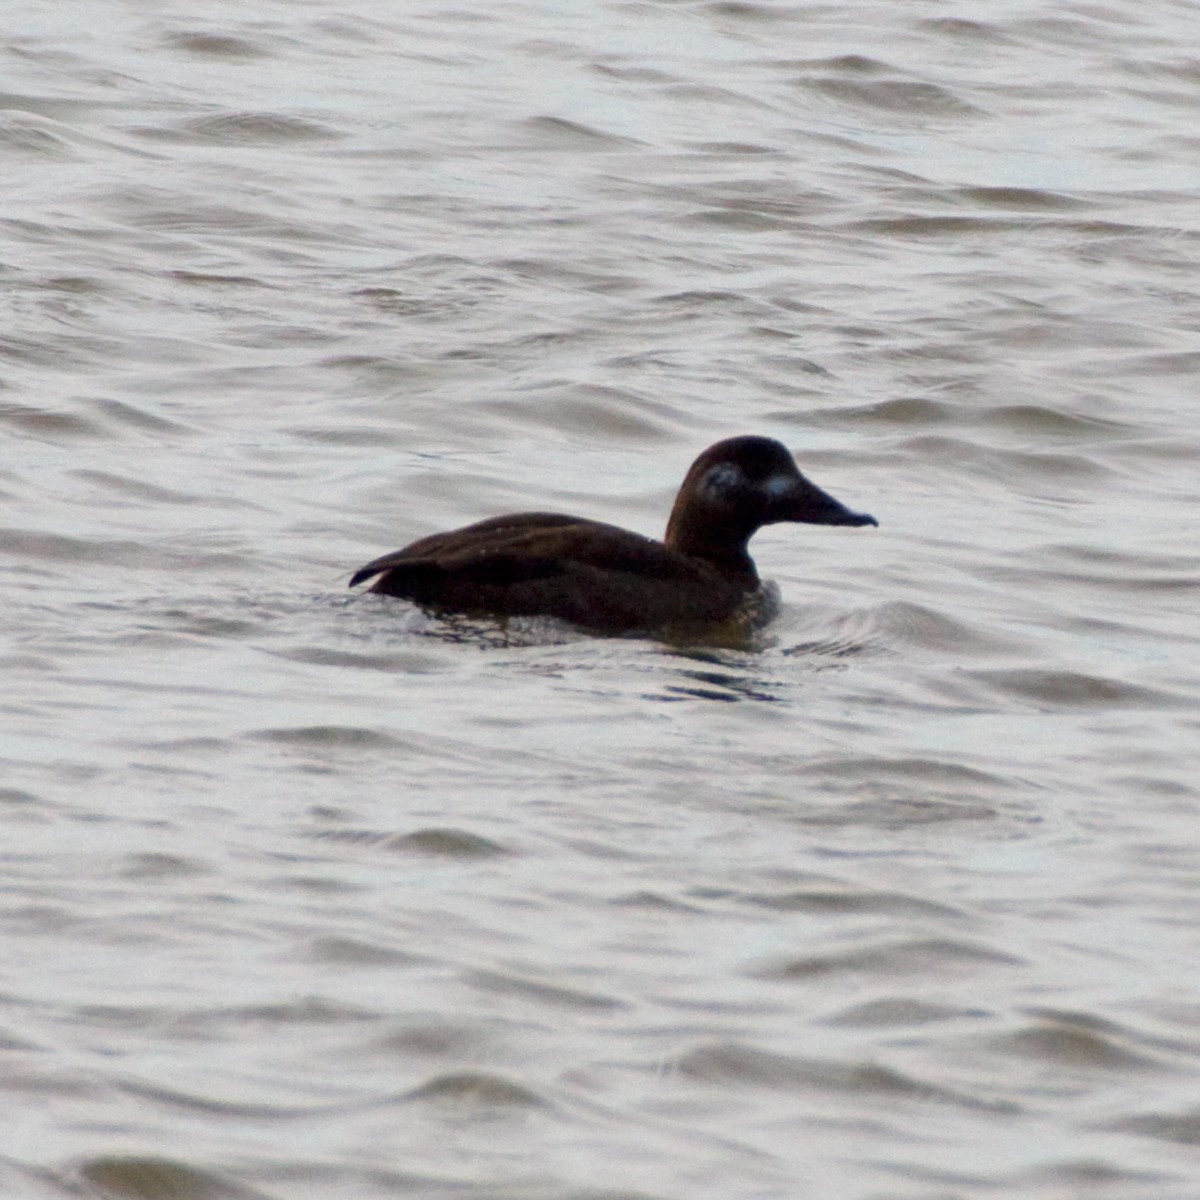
(739, 485)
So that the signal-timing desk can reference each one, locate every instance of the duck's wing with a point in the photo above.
(586, 572)
(471, 542)
(529, 546)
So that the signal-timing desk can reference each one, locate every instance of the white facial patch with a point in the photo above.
(723, 481)
(779, 486)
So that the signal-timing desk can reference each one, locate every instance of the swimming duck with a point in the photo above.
(607, 579)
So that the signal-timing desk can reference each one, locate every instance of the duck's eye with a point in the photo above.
(723, 481)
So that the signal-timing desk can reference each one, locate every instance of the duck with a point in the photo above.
(605, 579)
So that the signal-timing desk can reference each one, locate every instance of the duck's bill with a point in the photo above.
(843, 516)
(815, 507)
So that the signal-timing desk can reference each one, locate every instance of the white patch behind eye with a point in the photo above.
(723, 480)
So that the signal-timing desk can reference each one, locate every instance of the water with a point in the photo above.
(306, 894)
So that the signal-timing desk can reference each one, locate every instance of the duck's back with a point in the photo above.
(546, 564)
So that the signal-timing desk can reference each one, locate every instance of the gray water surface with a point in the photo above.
(308, 894)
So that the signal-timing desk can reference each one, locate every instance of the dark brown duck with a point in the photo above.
(608, 579)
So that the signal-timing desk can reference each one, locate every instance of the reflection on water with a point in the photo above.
(721, 685)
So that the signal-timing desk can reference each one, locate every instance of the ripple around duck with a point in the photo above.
(48, 423)
(557, 133)
(896, 811)
(141, 1178)
(488, 1095)
(58, 548)
(902, 1012)
(963, 29)
(197, 1104)
(448, 843)
(1055, 467)
(129, 416)
(435, 1037)
(855, 771)
(545, 994)
(343, 951)
(400, 662)
(26, 135)
(327, 737)
(1040, 420)
(217, 46)
(1021, 199)
(158, 868)
(735, 1062)
(242, 129)
(746, 10)
(904, 410)
(924, 956)
(849, 902)
(604, 412)
(927, 629)
(136, 490)
(1182, 1127)
(1074, 1045)
(899, 98)
(920, 226)
(1132, 574)
(1091, 1177)
(1055, 690)
(1068, 472)
(1183, 362)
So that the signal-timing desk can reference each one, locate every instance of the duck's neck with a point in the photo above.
(700, 536)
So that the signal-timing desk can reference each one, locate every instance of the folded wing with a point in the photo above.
(531, 564)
